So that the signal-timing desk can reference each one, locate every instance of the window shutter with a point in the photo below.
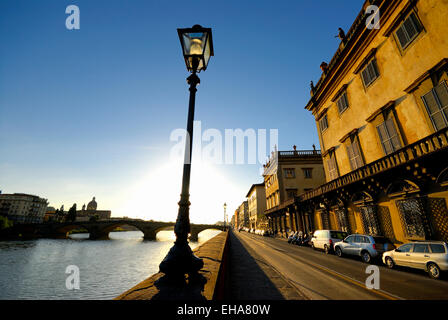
(410, 27)
(375, 71)
(434, 110)
(442, 95)
(342, 102)
(331, 164)
(390, 126)
(357, 153)
(408, 31)
(370, 73)
(351, 156)
(323, 123)
(384, 137)
(401, 35)
(365, 77)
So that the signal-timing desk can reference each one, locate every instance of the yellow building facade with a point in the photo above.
(287, 175)
(256, 199)
(381, 110)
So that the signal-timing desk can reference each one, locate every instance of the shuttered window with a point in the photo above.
(323, 123)
(408, 31)
(342, 103)
(436, 102)
(388, 136)
(332, 167)
(370, 73)
(354, 155)
(289, 173)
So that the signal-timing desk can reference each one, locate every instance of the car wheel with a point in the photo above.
(365, 256)
(326, 249)
(433, 270)
(338, 251)
(390, 263)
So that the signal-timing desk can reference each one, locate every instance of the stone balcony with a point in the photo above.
(422, 148)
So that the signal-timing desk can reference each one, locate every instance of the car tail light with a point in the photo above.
(331, 242)
(374, 246)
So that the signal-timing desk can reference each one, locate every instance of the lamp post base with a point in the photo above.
(179, 261)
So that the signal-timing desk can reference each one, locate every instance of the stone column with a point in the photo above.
(305, 222)
(274, 224)
(284, 233)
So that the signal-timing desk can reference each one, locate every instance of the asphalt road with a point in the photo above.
(318, 276)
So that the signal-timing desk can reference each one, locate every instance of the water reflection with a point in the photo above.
(36, 269)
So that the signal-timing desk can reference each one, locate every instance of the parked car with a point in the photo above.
(366, 246)
(431, 256)
(325, 239)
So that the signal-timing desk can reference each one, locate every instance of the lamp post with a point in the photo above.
(197, 48)
(225, 207)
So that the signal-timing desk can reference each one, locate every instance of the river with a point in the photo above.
(36, 269)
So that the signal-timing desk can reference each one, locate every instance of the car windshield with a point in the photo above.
(338, 235)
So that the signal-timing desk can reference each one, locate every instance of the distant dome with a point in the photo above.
(92, 204)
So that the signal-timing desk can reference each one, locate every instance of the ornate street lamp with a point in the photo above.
(197, 48)
(225, 207)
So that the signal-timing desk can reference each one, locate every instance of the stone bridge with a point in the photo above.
(99, 230)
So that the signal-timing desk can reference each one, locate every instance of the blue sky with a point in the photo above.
(89, 112)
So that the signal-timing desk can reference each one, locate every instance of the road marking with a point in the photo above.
(380, 292)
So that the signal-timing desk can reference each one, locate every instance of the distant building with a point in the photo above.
(50, 214)
(243, 215)
(236, 220)
(23, 208)
(91, 211)
(287, 175)
(256, 199)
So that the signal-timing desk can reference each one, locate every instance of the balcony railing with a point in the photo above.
(299, 153)
(428, 145)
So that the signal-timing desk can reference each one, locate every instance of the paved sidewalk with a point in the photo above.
(251, 278)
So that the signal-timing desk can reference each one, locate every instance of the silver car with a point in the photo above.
(366, 246)
(431, 256)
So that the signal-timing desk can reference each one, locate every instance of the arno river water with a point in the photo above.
(36, 269)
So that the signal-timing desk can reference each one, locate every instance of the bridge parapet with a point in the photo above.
(100, 229)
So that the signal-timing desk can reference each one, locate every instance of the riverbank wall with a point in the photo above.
(210, 285)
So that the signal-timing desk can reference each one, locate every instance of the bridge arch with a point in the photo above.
(196, 229)
(62, 232)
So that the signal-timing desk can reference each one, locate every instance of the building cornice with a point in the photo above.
(345, 137)
(380, 110)
(442, 64)
(359, 37)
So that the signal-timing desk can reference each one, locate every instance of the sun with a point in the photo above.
(156, 195)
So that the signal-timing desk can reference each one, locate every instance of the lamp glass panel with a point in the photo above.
(194, 43)
(207, 51)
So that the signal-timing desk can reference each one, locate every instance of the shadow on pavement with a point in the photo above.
(247, 280)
